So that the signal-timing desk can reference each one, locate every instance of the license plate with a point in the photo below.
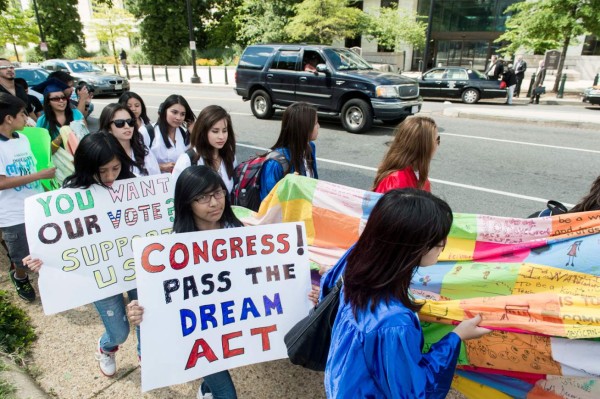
(119, 87)
(415, 109)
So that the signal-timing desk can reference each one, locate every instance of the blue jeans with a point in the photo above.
(113, 314)
(220, 385)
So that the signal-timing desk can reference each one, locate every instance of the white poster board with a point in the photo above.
(84, 237)
(219, 299)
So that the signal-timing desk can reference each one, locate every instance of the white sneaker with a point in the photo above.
(108, 365)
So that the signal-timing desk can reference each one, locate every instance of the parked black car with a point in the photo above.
(592, 95)
(456, 82)
(93, 75)
(336, 80)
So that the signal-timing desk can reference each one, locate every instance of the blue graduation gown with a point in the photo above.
(378, 354)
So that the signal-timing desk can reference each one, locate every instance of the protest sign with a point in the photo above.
(84, 237)
(219, 299)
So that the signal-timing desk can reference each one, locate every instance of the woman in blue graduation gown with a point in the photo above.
(377, 339)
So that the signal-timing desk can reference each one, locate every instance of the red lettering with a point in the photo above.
(235, 244)
(250, 243)
(264, 332)
(146, 258)
(282, 239)
(266, 242)
(186, 256)
(219, 255)
(200, 252)
(206, 352)
(227, 351)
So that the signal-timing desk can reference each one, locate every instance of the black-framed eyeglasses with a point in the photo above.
(205, 198)
(119, 123)
(438, 140)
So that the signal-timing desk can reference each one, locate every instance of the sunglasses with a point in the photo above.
(7, 67)
(58, 99)
(119, 123)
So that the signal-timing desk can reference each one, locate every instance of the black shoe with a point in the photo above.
(24, 288)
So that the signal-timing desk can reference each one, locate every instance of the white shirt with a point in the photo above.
(16, 159)
(150, 163)
(184, 162)
(160, 150)
(144, 132)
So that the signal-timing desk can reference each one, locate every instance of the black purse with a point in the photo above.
(308, 341)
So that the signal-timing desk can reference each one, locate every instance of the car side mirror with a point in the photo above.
(322, 68)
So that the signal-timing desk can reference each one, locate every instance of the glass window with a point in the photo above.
(591, 46)
(435, 74)
(255, 57)
(285, 60)
(344, 59)
(457, 74)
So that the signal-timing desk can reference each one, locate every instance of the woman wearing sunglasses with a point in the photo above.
(57, 113)
(120, 121)
(406, 164)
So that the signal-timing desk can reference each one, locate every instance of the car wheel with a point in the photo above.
(393, 122)
(261, 105)
(470, 96)
(357, 116)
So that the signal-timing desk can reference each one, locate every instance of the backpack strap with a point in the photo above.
(151, 132)
(192, 155)
(279, 157)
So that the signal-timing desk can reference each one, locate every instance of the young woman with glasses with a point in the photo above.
(120, 121)
(57, 113)
(407, 162)
(201, 203)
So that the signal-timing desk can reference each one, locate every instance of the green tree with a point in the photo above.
(164, 28)
(322, 21)
(18, 28)
(61, 24)
(393, 27)
(220, 26)
(260, 21)
(545, 24)
(110, 24)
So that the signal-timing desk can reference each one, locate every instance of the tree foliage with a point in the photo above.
(260, 21)
(322, 21)
(61, 24)
(220, 26)
(393, 27)
(18, 28)
(546, 24)
(110, 24)
(164, 27)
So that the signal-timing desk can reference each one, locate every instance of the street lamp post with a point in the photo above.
(428, 36)
(43, 44)
(195, 78)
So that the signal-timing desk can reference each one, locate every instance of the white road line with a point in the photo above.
(520, 142)
(448, 183)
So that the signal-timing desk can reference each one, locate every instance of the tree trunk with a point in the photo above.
(16, 52)
(561, 63)
(115, 57)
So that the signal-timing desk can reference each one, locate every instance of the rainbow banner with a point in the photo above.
(535, 281)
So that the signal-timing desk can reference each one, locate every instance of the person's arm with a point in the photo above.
(8, 182)
(83, 96)
(270, 175)
(182, 163)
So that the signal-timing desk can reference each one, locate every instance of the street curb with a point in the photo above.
(458, 113)
(26, 387)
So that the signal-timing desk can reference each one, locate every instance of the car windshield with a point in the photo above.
(345, 60)
(83, 66)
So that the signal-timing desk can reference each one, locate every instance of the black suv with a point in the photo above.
(336, 80)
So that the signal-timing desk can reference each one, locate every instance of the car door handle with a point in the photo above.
(303, 79)
(269, 76)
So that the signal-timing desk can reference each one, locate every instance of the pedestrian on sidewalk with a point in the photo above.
(123, 58)
(101, 160)
(201, 203)
(19, 179)
(495, 68)
(509, 77)
(520, 68)
(538, 84)
(406, 164)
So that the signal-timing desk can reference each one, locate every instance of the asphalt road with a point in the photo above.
(489, 167)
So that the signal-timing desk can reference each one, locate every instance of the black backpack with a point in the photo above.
(552, 208)
(246, 179)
